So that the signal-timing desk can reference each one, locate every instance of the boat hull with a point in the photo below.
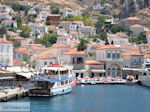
(55, 91)
(145, 80)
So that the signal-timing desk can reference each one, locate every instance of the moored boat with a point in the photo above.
(55, 80)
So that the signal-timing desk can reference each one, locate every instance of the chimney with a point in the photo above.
(4, 38)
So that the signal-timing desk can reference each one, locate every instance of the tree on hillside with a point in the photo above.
(112, 42)
(106, 42)
(26, 30)
(47, 40)
(3, 31)
(82, 45)
(79, 18)
(100, 23)
(18, 20)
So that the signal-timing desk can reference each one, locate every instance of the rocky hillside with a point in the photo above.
(73, 4)
(130, 7)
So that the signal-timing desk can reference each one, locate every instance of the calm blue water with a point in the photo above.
(95, 98)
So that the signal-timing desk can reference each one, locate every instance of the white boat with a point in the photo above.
(56, 80)
(145, 78)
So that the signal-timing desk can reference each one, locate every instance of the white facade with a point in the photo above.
(62, 39)
(90, 30)
(148, 37)
(40, 63)
(71, 12)
(98, 7)
(43, 14)
(4, 16)
(24, 3)
(137, 29)
(6, 53)
(9, 23)
(5, 9)
(40, 7)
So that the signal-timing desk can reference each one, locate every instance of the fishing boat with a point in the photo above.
(56, 79)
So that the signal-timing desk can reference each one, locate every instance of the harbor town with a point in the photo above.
(55, 51)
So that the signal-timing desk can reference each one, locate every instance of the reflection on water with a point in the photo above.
(95, 98)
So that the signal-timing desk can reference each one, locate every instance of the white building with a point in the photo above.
(40, 7)
(24, 3)
(6, 9)
(6, 52)
(42, 61)
(4, 16)
(62, 39)
(137, 29)
(89, 29)
(71, 26)
(9, 23)
(117, 40)
(69, 11)
(148, 37)
(98, 6)
(43, 14)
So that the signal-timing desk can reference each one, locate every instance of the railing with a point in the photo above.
(52, 77)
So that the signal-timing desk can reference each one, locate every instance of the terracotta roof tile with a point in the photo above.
(133, 53)
(93, 62)
(73, 52)
(22, 50)
(46, 57)
(133, 18)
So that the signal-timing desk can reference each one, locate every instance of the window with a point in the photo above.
(113, 55)
(62, 82)
(45, 63)
(108, 54)
(51, 63)
(140, 61)
(7, 48)
(1, 48)
(19, 56)
(118, 54)
(134, 62)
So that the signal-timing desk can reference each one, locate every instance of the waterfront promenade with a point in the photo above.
(7, 94)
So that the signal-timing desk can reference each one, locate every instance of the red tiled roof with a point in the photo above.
(15, 62)
(133, 18)
(137, 26)
(133, 53)
(73, 52)
(108, 47)
(22, 50)
(56, 65)
(2, 41)
(93, 62)
(46, 57)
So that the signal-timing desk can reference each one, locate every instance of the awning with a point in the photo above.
(79, 71)
(98, 70)
(131, 69)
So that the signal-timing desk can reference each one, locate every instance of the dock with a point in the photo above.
(8, 94)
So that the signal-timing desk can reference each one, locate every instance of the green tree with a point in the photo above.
(78, 18)
(103, 35)
(82, 45)
(112, 42)
(116, 28)
(26, 30)
(18, 20)
(106, 42)
(89, 21)
(47, 40)
(100, 23)
(3, 31)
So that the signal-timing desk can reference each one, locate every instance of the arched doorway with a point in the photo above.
(114, 70)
